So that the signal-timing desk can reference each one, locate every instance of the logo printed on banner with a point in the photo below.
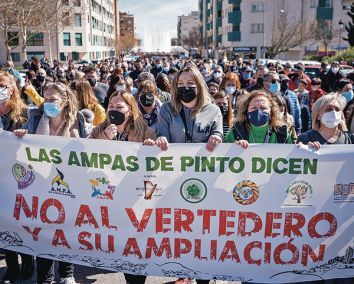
(246, 192)
(59, 186)
(150, 189)
(299, 194)
(102, 188)
(193, 190)
(23, 177)
(343, 192)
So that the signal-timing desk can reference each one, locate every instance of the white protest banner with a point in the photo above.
(270, 214)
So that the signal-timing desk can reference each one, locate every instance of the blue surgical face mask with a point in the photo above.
(258, 118)
(246, 75)
(348, 95)
(52, 109)
(274, 88)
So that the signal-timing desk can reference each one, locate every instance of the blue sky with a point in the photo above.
(160, 13)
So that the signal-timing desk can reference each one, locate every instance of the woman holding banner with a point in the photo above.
(13, 112)
(328, 124)
(124, 122)
(59, 116)
(189, 117)
(259, 121)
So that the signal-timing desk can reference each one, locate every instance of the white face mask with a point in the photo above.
(120, 88)
(217, 75)
(3, 95)
(331, 119)
(230, 89)
(335, 70)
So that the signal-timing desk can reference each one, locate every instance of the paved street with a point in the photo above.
(91, 275)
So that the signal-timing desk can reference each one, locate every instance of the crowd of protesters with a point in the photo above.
(165, 99)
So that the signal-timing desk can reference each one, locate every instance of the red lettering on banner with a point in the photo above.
(152, 246)
(105, 218)
(286, 246)
(308, 251)
(81, 239)
(229, 247)
(206, 219)
(320, 217)
(242, 220)
(224, 224)
(161, 221)
(182, 246)
(85, 211)
(291, 229)
(198, 250)
(132, 247)
(270, 225)
(213, 249)
(98, 243)
(57, 204)
(60, 239)
(33, 233)
(141, 226)
(21, 203)
(247, 253)
(183, 224)
(267, 252)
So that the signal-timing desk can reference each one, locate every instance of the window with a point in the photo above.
(75, 55)
(15, 56)
(77, 3)
(313, 3)
(13, 38)
(325, 3)
(66, 37)
(257, 28)
(62, 56)
(77, 20)
(35, 40)
(78, 39)
(257, 8)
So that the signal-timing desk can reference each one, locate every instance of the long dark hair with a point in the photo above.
(229, 115)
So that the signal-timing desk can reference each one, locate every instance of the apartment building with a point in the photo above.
(91, 35)
(186, 24)
(246, 26)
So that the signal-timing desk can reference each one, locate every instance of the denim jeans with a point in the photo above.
(45, 270)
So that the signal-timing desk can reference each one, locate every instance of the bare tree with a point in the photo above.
(7, 25)
(193, 39)
(289, 33)
(324, 34)
(56, 17)
(127, 42)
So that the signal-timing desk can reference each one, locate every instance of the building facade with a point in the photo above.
(185, 25)
(91, 36)
(245, 27)
(127, 24)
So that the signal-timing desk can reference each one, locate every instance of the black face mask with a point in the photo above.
(284, 87)
(147, 99)
(223, 110)
(187, 94)
(92, 82)
(116, 117)
(260, 81)
(40, 78)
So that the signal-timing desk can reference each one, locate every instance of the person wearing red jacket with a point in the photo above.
(297, 76)
(316, 91)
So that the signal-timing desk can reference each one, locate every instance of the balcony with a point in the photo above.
(324, 13)
(234, 36)
(234, 17)
(219, 22)
(235, 1)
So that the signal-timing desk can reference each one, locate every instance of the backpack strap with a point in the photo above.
(239, 131)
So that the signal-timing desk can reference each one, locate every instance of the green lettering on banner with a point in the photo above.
(310, 167)
(234, 168)
(222, 161)
(133, 166)
(258, 165)
(210, 164)
(166, 164)
(104, 159)
(186, 162)
(152, 164)
(89, 162)
(276, 166)
(29, 156)
(118, 163)
(73, 159)
(295, 166)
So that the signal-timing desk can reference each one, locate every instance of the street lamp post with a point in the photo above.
(341, 25)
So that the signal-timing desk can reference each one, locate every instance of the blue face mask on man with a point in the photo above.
(348, 95)
(274, 87)
(246, 75)
(51, 109)
(258, 118)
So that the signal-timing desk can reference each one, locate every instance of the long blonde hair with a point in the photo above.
(275, 119)
(136, 125)
(202, 95)
(71, 107)
(18, 108)
(321, 103)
